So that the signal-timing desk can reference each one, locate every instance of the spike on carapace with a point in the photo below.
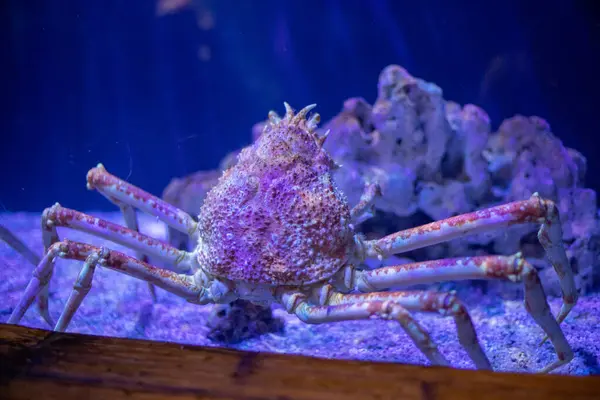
(302, 113)
(321, 140)
(274, 118)
(289, 112)
(313, 122)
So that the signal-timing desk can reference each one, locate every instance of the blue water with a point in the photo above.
(109, 81)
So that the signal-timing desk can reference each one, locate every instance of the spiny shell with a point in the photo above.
(276, 217)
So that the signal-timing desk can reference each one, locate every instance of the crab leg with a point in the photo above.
(296, 303)
(131, 221)
(513, 268)
(19, 246)
(443, 303)
(127, 196)
(33, 258)
(364, 209)
(128, 211)
(179, 284)
(81, 288)
(535, 209)
(7, 236)
(55, 216)
(121, 192)
(58, 216)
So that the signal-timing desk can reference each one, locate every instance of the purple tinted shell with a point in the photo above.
(276, 217)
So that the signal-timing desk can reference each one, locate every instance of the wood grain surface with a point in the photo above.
(39, 364)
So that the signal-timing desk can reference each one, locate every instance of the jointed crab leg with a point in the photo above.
(514, 268)
(81, 288)
(363, 210)
(446, 304)
(17, 244)
(131, 221)
(107, 185)
(296, 303)
(58, 216)
(121, 192)
(55, 216)
(178, 284)
(535, 209)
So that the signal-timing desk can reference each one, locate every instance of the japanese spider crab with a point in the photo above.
(275, 229)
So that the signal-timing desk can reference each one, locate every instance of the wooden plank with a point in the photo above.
(38, 364)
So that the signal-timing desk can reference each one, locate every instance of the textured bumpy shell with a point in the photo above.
(276, 217)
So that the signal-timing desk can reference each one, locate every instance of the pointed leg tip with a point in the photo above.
(48, 320)
(13, 319)
(152, 290)
(485, 365)
(549, 368)
(59, 328)
(564, 312)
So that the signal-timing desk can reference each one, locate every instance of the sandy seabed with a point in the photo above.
(120, 306)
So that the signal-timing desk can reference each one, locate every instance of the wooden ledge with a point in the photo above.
(39, 364)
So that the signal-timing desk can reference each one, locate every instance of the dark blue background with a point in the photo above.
(108, 81)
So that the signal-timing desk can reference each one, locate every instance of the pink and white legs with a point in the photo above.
(533, 210)
(180, 284)
(58, 216)
(126, 196)
(18, 245)
(513, 268)
(335, 306)
(298, 304)
(122, 193)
